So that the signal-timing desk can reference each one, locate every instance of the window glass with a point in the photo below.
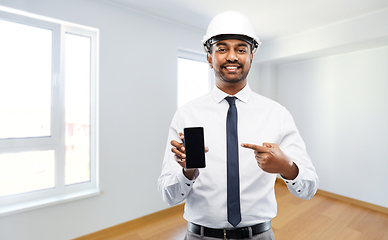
(77, 108)
(26, 172)
(48, 111)
(193, 79)
(25, 81)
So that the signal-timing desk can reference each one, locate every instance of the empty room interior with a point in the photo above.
(89, 167)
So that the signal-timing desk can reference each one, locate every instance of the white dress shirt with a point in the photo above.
(259, 120)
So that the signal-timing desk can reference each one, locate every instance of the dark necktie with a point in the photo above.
(233, 181)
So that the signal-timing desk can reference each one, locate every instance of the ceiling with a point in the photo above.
(273, 19)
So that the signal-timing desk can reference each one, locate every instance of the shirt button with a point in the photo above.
(293, 183)
(188, 184)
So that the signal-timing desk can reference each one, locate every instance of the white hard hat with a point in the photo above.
(231, 25)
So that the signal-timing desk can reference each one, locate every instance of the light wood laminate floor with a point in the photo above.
(321, 218)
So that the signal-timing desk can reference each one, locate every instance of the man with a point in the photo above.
(250, 141)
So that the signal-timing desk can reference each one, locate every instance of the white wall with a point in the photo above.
(362, 32)
(334, 81)
(138, 68)
(340, 105)
(253, 76)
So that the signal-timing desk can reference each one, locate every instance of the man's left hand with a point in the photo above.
(271, 159)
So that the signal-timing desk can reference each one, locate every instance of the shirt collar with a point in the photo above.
(243, 95)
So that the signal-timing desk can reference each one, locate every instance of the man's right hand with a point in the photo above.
(179, 150)
(180, 156)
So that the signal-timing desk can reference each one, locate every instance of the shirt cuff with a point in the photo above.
(185, 184)
(296, 184)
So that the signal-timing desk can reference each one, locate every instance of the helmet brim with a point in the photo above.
(252, 42)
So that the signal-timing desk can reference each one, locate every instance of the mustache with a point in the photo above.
(232, 62)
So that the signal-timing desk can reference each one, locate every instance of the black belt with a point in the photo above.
(236, 233)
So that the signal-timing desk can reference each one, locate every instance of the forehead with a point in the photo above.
(231, 43)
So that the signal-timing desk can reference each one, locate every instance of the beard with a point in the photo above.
(231, 77)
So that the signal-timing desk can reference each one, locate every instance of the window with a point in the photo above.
(195, 77)
(48, 109)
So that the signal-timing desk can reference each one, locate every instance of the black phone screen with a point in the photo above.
(194, 147)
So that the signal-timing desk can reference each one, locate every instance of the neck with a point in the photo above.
(231, 88)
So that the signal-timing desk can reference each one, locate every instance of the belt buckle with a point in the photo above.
(225, 234)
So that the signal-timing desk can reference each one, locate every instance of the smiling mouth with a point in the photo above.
(231, 68)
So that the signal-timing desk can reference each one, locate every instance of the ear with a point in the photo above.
(209, 60)
(251, 58)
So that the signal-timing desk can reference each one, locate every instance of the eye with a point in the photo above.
(221, 50)
(242, 50)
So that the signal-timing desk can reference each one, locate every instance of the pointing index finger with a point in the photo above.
(257, 148)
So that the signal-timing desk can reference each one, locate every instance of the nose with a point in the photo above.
(231, 56)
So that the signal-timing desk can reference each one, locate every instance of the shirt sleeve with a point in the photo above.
(172, 183)
(306, 183)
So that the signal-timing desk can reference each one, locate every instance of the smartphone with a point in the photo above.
(194, 147)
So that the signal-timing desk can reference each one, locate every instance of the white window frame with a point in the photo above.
(196, 56)
(60, 193)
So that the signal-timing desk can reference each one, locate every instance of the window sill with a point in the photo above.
(49, 201)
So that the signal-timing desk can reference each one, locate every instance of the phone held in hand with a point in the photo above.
(194, 147)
